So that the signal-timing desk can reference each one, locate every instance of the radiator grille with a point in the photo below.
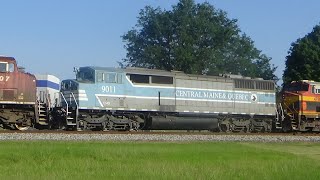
(8, 95)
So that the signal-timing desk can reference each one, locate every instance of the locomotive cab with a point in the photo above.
(16, 86)
(84, 98)
(301, 101)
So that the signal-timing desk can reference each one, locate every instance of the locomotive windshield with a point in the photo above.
(3, 67)
(6, 67)
(85, 75)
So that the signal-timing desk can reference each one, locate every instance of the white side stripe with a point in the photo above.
(99, 100)
(172, 98)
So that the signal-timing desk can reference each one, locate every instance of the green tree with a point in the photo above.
(196, 39)
(303, 61)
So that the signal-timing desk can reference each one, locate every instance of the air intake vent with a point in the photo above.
(8, 95)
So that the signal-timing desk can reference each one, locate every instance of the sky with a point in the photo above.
(54, 36)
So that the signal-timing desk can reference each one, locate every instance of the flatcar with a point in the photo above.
(137, 98)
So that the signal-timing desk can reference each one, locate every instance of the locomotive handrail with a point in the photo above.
(282, 112)
(65, 101)
(277, 114)
(291, 109)
(48, 100)
(57, 99)
(74, 99)
(77, 109)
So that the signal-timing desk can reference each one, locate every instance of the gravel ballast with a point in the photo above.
(154, 137)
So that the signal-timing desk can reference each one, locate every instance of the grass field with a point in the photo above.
(158, 160)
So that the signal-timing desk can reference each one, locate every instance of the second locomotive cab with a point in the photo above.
(136, 98)
(301, 106)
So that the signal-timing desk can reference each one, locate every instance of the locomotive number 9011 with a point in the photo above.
(108, 89)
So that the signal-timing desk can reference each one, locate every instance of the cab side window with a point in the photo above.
(100, 77)
(11, 67)
(315, 89)
(111, 78)
(3, 67)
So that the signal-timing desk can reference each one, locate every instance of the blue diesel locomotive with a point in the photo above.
(135, 98)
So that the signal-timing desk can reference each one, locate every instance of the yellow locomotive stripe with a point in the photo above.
(310, 98)
(302, 98)
(308, 114)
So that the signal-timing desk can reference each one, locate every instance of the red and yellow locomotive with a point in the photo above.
(301, 103)
(17, 95)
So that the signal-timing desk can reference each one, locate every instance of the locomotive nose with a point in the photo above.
(17, 95)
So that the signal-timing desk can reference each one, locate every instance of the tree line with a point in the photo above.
(198, 38)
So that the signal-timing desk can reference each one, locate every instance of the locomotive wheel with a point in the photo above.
(246, 129)
(224, 128)
(21, 127)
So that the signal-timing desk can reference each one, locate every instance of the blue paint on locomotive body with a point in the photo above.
(47, 84)
(101, 95)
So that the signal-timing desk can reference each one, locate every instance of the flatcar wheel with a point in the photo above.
(21, 127)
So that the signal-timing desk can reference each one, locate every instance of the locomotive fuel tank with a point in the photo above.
(182, 123)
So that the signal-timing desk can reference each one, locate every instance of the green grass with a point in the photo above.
(158, 160)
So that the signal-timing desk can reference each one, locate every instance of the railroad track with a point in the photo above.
(159, 132)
